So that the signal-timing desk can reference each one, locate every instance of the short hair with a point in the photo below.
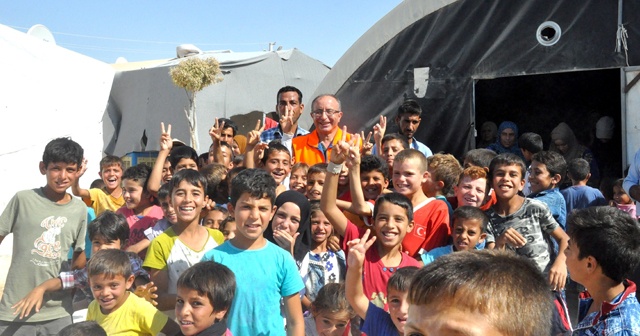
(82, 329)
(215, 174)
(289, 88)
(401, 279)
(327, 95)
(373, 163)
(467, 212)
(182, 152)
(445, 168)
(531, 142)
(228, 123)
(410, 153)
(332, 299)
(255, 182)
(97, 184)
(226, 144)
(275, 146)
(409, 106)
(63, 150)
(480, 157)
(487, 281)
(554, 162)
(474, 172)
(578, 169)
(138, 173)
(507, 159)
(221, 209)
(110, 263)
(164, 191)
(212, 279)
(238, 160)
(300, 165)
(191, 176)
(396, 199)
(318, 168)
(111, 160)
(609, 235)
(111, 226)
(395, 136)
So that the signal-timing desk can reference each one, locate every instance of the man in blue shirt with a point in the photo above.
(408, 120)
(289, 106)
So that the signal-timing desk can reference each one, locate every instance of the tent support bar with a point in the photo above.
(632, 83)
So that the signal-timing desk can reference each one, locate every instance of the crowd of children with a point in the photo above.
(389, 243)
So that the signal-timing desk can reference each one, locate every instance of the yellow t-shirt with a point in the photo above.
(136, 316)
(102, 201)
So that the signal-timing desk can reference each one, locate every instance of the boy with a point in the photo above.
(376, 320)
(603, 250)
(373, 175)
(214, 217)
(471, 189)
(114, 308)
(530, 144)
(580, 195)
(265, 273)
(443, 173)
(431, 215)
(107, 231)
(524, 224)
(45, 223)
(469, 230)
(458, 295)
(482, 157)
(392, 220)
(108, 197)
(315, 181)
(184, 243)
(205, 293)
(392, 144)
(547, 170)
(277, 162)
(222, 133)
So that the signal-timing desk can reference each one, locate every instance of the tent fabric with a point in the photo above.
(143, 98)
(449, 45)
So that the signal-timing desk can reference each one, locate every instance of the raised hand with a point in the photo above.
(358, 248)
(286, 121)
(285, 240)
(166, 143)
(353, 156)
(253, 138)
(215, 132)
(83, 168)
(367, 146)
(379, 129)
(340, 150)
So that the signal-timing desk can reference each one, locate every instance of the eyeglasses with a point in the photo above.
(318, 113)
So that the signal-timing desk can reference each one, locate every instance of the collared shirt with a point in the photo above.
(309, 149)
(556, 203)
(276, 133)
(415, 144)
(618, 317)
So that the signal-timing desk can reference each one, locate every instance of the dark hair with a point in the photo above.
(226, 144)
(138, 173)
(468, 212)
(223, 224)
(182, 152)
(578, 169)
(63, 150)
(506, 159)
(409, 106)
(215, 173)
(619, 183)
(111, 160)
(531, 142)
(191, 176)
(609, 235)
(317, 169)
(554, 162)
(373, 163)
(228, 123)
(480, 157)
(480, 281)
(395, 136)
(396, 199)
(97, 184)
(111, 226)
(289, 88)
(314, 206)
(332, 299)
(255, 182)
(238, 160)
(82, 329)
(164, 191)
(445, 168)
(212, 279)
(110, 263)
(275, 146)
(401, 278)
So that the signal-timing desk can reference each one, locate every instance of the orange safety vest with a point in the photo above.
(305, 148)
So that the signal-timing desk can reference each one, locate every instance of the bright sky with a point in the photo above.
(146, 30)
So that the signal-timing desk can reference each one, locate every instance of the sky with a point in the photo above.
(147, 30)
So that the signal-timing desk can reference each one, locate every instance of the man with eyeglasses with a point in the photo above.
(289, 106)
(316, 146)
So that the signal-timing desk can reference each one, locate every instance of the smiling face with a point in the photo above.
(278, 164)
(101, 243)
(373, 183)
(111, 176)
(507, 180)
(408, 124)
(433, 319)
(252, 217)
(166, 172)
(391, 225)
(540, 178)
(298, 181)
(398, 308)
(321, 228)
(407, 177)
(195, 312)
(467, 233)
(471, 191)
(110, 293)
(315, 183)
(187, 201)
(287, 218)
(168, 211)
(331, 324)
(620, 196)
(59, 175)
(324, 123)
(135, 197)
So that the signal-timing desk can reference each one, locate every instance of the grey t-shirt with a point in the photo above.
(43, 233)
(535, 223)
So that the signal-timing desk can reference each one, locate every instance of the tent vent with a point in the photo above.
(548, 33)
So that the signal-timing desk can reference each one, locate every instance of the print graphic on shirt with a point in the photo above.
(48, 244)
(421, 231)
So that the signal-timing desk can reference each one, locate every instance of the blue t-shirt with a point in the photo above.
(378, 322)
(263, 277)
(580, 197)
(556, 203)
(434, 254)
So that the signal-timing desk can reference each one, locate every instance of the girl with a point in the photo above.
(621, 200)
(289, 227)
(330, 313)
(298, 180)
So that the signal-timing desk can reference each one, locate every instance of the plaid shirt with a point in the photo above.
(80, 279)
(276, 134)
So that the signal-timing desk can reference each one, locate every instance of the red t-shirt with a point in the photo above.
(137, 225)
(375, 274)
(430, 228)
